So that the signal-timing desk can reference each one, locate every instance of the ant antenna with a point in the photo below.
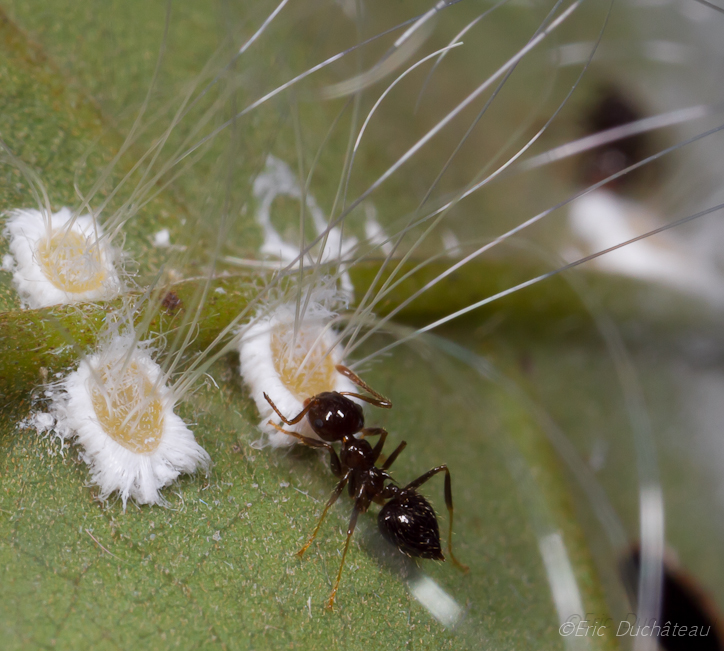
(378, 400)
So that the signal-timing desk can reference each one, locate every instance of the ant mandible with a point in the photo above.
(406, 519)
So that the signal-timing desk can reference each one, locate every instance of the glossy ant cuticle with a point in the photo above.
(407, 519)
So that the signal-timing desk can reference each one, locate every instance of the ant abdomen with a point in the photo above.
(408, 521)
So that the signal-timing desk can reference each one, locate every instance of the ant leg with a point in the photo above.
(377, 450)
(384, 402)
(350, 531)
(376, 431)
(378, 401)
(334, 462)
(373, 431)
(448, 502)
(335, 496)
(394, 455)
(294, 420)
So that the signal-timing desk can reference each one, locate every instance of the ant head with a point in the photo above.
(333, 416)
(409, 522)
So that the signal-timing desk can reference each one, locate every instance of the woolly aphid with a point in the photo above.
(55, 259)
(119, 411)
(291, 369)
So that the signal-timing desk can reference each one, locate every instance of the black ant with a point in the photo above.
(406, 519)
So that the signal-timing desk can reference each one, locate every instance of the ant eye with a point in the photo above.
(318, 423)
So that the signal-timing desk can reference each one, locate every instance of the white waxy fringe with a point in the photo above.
(113, 467)
(25, 230)
(278, 180)
(260, 374)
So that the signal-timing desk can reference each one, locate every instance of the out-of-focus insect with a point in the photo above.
(406, 519)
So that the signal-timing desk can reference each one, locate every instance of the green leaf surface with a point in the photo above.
(218, 566)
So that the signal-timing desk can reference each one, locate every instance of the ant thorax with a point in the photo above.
(357, 454)
(372, 480)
